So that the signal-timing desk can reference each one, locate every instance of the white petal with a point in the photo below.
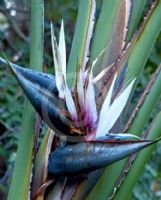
(62, 50)
(110, 115)
(60, 71)
(104, 110)
(90, 101)
(101, 74)
(107, 101)
(57, 65)
(80, 90)
(70, 104)
(98, 57)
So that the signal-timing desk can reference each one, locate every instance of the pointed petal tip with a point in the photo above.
(104, 110)
(110, 113)
(13, 67)
(76, 159)
(157, 140)
(62, 23)
(62, 50)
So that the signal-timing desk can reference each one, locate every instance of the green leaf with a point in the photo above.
(143, 46)
(41, 162)
(20, 184)
(110, 32)
(137, 60)
(81, 38)
(139, 164)
(56, 191)
(144, 111)
(136, 12)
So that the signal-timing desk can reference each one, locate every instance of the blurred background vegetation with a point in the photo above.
(14, 42)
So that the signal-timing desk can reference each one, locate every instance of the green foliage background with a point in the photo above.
(11, 96)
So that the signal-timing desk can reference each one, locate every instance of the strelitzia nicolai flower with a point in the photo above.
(73, 112)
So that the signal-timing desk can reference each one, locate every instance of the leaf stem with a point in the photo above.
(20, 183)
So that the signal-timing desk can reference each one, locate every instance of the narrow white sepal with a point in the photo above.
(80, 90)
(111, 114)
(58, 73)
(70, 104)
(62, 50)
(59, 55)
(101, 74)
(105, 109)
(90, 101)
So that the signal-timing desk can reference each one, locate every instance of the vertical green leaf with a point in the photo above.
(136, 62)
(80, 39)
(110, 32)
(146, 108)
(37, 34)
(20, 184)
(139, 164)
(41, 162)
(143, 46)
(139, 122)
(136, 12)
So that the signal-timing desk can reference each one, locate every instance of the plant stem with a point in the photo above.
(20, 183)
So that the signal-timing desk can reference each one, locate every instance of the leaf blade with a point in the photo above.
(79, 44)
